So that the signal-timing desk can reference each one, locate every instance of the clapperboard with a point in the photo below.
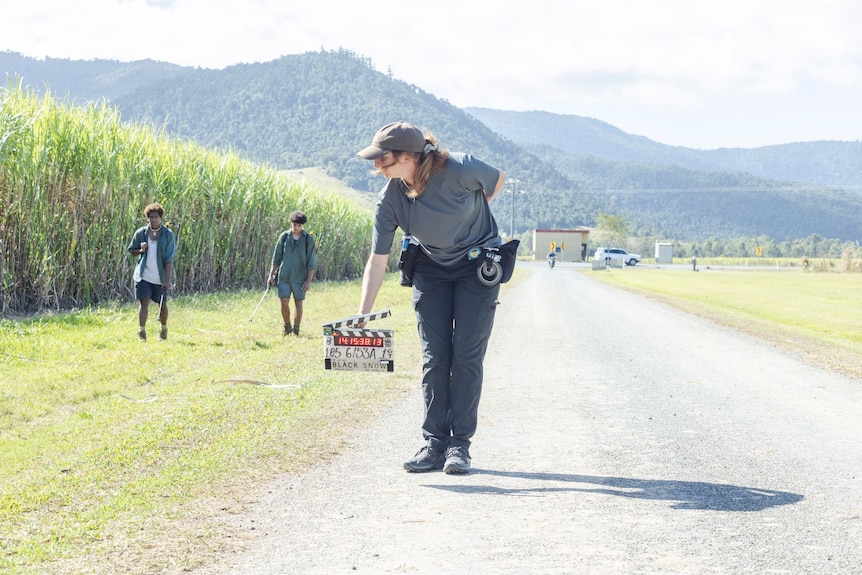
(358, 349)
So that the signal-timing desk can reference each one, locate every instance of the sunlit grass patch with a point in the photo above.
(100, 433)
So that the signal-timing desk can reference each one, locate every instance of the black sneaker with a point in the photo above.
(426, 459)
(163, 332)
(142, 335)
(287, 329)
(457, 460)
(296, 330)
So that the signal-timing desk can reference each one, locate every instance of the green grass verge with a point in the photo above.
(817, 315)
(108, 444)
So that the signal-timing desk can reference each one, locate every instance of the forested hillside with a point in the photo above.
(728, 205)
(837, 164)
(83, 80)
(820, 163)
(580, 136)
(317, 109)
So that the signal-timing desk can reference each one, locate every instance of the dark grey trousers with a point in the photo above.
(455, 314)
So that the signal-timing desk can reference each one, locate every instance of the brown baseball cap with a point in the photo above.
(400, 136)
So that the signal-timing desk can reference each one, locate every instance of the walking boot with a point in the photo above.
(426, 459)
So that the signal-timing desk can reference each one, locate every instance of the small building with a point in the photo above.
(569, 245)
(663, 253)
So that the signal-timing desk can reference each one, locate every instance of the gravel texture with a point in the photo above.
(616, 435)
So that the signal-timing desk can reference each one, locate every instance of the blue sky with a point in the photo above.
(701, 74)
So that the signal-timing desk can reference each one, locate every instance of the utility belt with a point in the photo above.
(494, 264)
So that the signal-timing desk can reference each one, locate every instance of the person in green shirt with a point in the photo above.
(294, 262)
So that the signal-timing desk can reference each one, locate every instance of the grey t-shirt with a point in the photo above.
(450, 217)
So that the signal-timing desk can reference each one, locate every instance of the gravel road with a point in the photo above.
(616, 436)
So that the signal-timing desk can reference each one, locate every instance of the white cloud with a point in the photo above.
(689, 72)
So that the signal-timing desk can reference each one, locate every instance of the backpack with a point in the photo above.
(304, 237)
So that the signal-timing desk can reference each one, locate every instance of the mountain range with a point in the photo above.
(317, 109)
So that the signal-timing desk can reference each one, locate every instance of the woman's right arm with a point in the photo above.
(372, 279)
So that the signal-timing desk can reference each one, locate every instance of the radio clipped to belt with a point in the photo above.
(407, 259)
(496, 263)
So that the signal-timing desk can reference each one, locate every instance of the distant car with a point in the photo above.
(617, 254)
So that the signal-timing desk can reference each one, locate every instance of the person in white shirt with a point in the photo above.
(155, 246)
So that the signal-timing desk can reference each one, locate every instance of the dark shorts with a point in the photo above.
(285, 289)
(146, 290)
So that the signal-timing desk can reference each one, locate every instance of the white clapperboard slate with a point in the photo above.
(358, 349)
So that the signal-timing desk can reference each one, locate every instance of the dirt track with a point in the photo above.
(616, 435)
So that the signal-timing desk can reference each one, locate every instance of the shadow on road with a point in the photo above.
(685, 494)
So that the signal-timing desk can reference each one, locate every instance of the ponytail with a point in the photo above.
(432, 159)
